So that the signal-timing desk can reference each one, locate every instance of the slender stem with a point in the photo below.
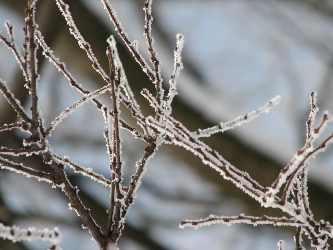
(114, 226)
(33, 75)
(151, 50)
(15, 103)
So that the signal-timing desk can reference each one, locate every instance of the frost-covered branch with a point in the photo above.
(230, 220)
(132, 46)
(84, 171)
(307, 152)
(224, 126)
(64, 9)
(177, 67)
(15, 234)
(114, 219)
(288, 192)
(15, 103)
(29, 172)
(294, 198)
(11, 44)
(153, 55)
(130, 101)
(38, 143)
(15, 125)
(74, 107)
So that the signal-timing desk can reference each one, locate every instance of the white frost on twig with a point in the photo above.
(14, 102)
(84, 171)
(132, 48)
(64, 9)
(308, 151)
(184, 138)
(12, 46)
(15, 234)
(231, 220)
(223, 126)
(26, 171)
(177, 67)
(75, 106)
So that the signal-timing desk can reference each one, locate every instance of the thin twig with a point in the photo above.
(15, 103)
(12, 46)
(177, 67)
(18, 125)
(115, 206)
(150, 40)
(135, 110)
(21, 151)
(131, 46)
(74, 107)
(230, 220)
(224, 126)
(84, 171)
(29, 172)
(64, 9)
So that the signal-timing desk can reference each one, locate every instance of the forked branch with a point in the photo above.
(294, 199)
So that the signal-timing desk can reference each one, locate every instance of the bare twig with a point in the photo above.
(230, 220)
(132, 105)
(15, 233)
(294, 175)
(84, 171)
(114, 227)
(29, 172)
(131, 46)
(15, 125)
(150, 41)
(177, 67)
(15, 103)
(224, 126)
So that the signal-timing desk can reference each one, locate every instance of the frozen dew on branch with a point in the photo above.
(184, 138)
(240, 219)
(177, 67)
(26, 171)
(309, 151)
(75, 106)
(123, 79)
(14, 102)
(107, 133)
(64, 9)
(224, 126)
(15, 234)
(11, 44)
(112, 43)
(88, 172)
(119, 28)
(61, 66)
